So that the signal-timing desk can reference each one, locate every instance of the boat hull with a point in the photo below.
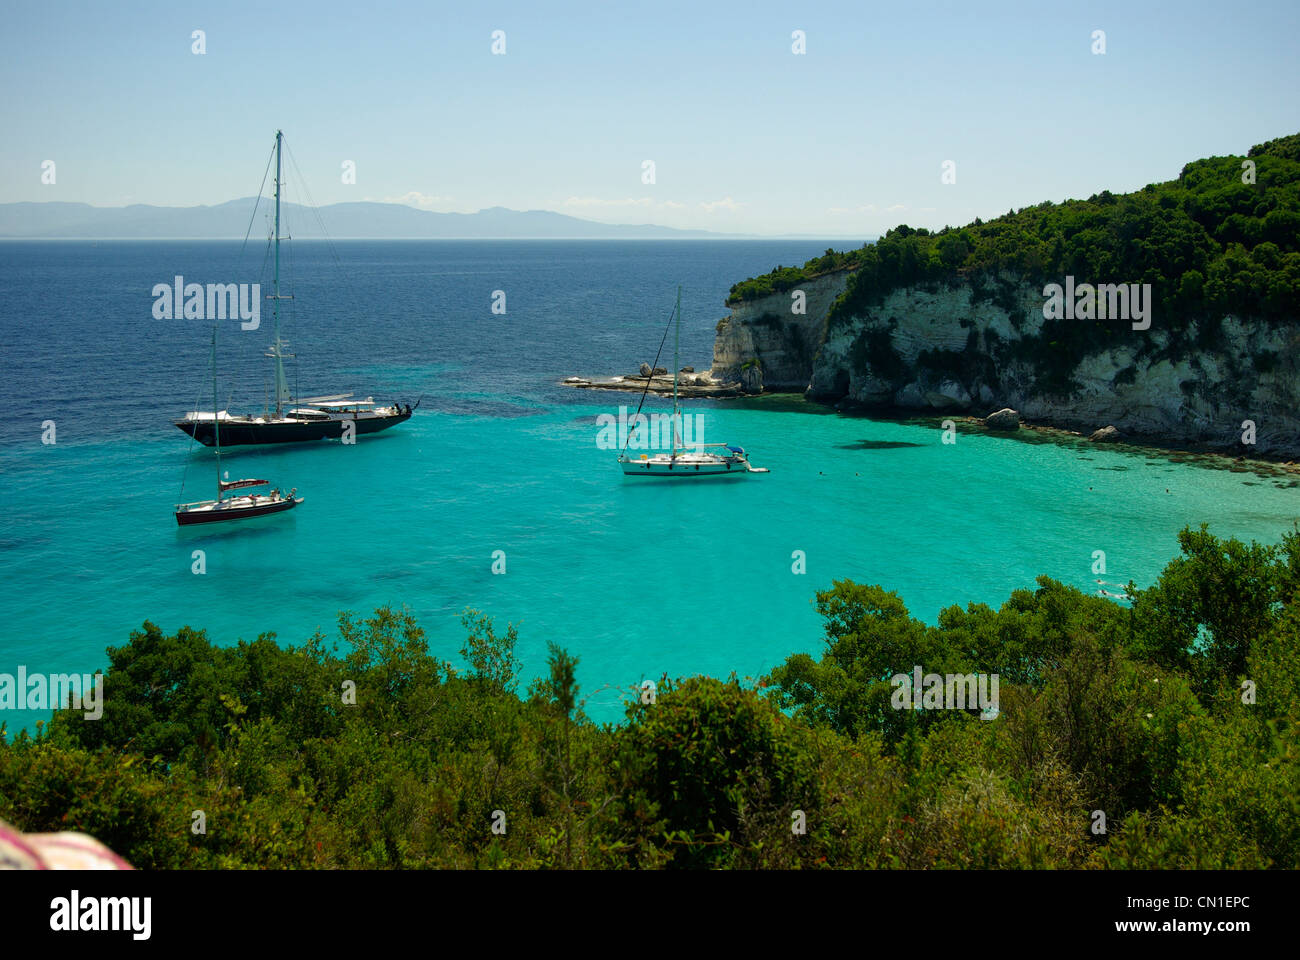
(236, 433)
(237, 511)
(684, 470)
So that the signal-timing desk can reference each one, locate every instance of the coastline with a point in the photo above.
(661, 386)
(1205, 455)
(1201, 454)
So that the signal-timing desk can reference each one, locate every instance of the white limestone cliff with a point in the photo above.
(1151, 385)
(768, 331)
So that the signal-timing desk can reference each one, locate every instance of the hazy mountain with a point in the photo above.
(378, 220)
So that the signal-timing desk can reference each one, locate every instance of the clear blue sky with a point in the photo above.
(847, 139)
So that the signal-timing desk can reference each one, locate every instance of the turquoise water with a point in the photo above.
(637, 578)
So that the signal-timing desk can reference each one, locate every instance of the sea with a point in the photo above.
(499, 494)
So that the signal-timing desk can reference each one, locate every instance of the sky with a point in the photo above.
(848, 138)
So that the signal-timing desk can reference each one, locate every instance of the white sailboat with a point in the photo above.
(724, 460)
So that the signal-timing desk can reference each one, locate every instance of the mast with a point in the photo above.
(677, 336)
(277, 347)
(216, 412)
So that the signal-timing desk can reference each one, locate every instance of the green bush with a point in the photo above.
(1177, 718)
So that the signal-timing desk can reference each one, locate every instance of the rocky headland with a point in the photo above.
(959, 321)
(942, 348)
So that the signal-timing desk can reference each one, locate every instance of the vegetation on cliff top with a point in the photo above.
(1208, 243)
(1178, 719)
(780, 279)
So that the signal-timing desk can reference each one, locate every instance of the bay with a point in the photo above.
(637, 579)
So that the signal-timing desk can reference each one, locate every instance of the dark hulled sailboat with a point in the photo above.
(338, 416)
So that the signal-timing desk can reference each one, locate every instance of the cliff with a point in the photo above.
(765, 333)
(961, 321)
(940, 347)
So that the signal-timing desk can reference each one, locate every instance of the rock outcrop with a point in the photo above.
(1104, 435)
(1004, 419)
(949, 347)
(768, 331)
(699, 385)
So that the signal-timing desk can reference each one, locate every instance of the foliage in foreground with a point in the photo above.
(1176, 719)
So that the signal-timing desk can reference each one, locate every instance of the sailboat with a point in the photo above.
(241, 506)
(294, 418)
(681, 462)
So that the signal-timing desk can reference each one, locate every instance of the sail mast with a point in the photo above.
(279, 363)
(677, 336)
(216, 413)
(277, 347)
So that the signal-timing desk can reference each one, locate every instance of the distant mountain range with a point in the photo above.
(341, 220)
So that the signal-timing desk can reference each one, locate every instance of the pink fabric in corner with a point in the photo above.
(55, 851)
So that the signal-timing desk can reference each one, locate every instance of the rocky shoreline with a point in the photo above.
(659, 382)
(1205, 455)
(932, 351)
(1005, 422)
(939, 348)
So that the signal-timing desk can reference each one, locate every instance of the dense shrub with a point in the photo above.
(1177, 719)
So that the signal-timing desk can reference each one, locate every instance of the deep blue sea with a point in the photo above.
(637, 579)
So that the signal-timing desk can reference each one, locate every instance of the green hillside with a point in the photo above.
(1208, 243)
